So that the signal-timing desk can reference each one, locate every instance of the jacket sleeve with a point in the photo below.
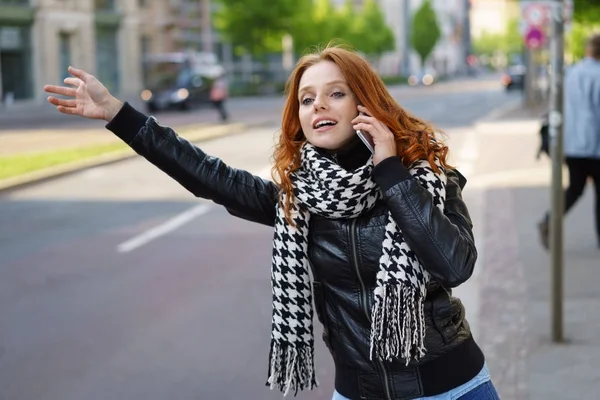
(241, 193)
(442, 240)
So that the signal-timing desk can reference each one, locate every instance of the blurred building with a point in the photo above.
(39, 39)
(450, 54)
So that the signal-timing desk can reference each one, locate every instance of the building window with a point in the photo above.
(13, 2)
(15, 62)
(65, 54)
(107, 59)
(146, 48)
(104, 5)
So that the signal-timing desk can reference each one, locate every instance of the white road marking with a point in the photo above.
(164, 228)
(174, 223)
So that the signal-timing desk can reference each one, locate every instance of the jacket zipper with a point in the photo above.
(365, 302)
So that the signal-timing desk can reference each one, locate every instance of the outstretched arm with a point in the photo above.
(241, 193)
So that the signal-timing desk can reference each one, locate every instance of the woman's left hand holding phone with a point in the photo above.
(87, 97)
(384, 139)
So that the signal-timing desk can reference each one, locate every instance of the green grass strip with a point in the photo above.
(19, 164)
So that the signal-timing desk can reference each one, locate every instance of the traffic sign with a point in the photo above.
(536, 14)
(534, 38)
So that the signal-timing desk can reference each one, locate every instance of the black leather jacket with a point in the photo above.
(344, 255)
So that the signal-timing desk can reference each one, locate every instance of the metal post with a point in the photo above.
(556, 148)
(407, 14)
(531, 77)
(206, 26)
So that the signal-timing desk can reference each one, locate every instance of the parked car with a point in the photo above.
(514, 77)
(179, 80)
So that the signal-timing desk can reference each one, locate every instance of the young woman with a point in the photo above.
(377, 239)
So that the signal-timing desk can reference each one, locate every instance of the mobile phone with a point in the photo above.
(366, 138)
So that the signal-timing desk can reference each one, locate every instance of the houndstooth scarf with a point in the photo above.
(398, 328)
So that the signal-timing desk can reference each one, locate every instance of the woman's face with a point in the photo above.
(327, 106)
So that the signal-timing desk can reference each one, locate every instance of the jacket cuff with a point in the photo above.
(127, 123)
(390, 172)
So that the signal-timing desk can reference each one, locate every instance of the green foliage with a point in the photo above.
(257, 26)
(315, 25)
(586, 21)
(509, 42)
(322, 23)
(586, 12)
(376, 37)
(576, 39)
(425, 31)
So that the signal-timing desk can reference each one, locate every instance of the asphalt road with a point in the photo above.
(115, 283)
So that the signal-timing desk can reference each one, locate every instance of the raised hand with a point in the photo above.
(385, 142)
(87, 97)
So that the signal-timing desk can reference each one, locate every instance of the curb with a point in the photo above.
(200, 134)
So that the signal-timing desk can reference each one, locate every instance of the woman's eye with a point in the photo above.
(338, 94)
(306, 101)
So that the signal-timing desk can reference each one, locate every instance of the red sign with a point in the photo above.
(534, 38)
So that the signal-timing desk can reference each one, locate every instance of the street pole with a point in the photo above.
(206, 26)
(556, 150)
(407, 15)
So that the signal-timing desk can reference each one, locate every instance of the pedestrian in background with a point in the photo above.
(581, 133)
(379, 238)
(218, 96)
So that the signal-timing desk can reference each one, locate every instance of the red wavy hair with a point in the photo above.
(415, 138)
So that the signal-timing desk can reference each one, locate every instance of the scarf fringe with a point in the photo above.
(291, 369)
(398, 324)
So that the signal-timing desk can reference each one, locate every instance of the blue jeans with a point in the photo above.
(478, 388)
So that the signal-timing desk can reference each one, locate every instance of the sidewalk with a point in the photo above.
(514, 316)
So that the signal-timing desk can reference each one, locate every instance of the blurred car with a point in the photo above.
(179, 80)
(514, 77)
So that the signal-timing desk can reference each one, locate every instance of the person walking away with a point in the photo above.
(218, 96)
(581, 133)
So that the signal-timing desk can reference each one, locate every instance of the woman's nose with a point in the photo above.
(320, 103)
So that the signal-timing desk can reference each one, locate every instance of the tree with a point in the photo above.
(586, 21)
(425, 31)
(509, 42)
(376, 37)
(315, 25)
(586, 11)
(257, 26)
(322, 23)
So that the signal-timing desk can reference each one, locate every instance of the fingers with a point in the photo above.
(68, 110)
(65, 91)
(73, 81)
(79, 73)
(364, 110)
(371, 124)
(363, 126)
(62, 102)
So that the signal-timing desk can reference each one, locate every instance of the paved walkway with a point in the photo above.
(514, 316)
